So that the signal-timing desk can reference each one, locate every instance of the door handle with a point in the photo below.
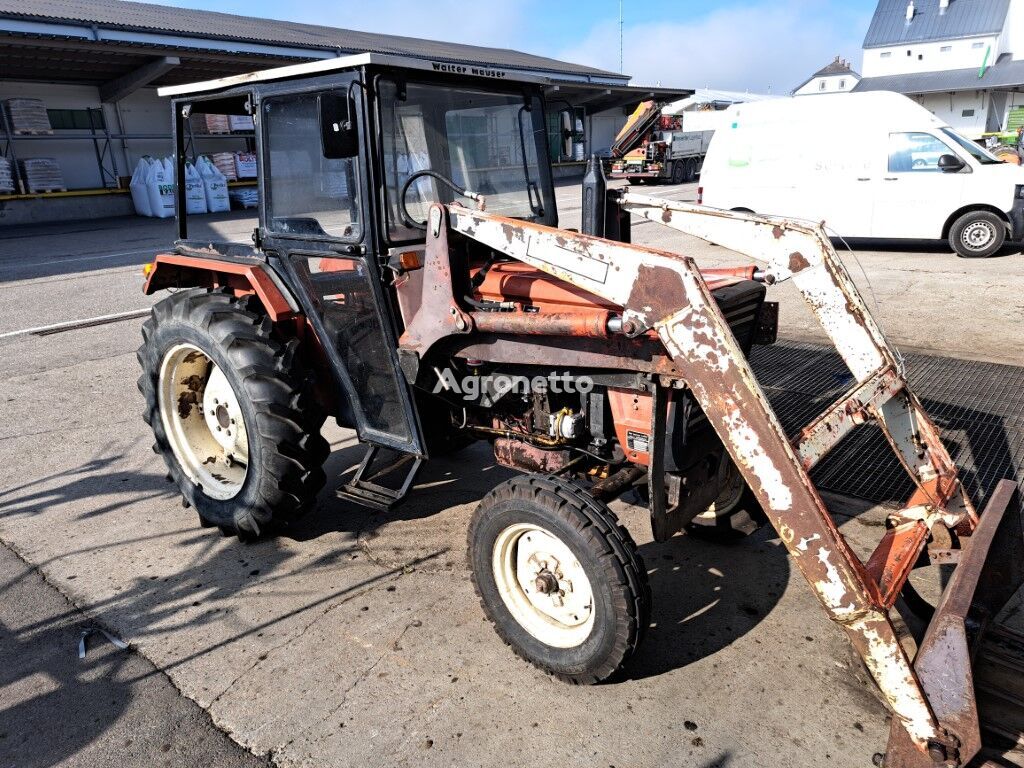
(864, 178)
(892, 178)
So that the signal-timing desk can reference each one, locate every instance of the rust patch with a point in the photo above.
(659, 288)
(666, 216)
(797, 262)
(186, 402)
(778, 232)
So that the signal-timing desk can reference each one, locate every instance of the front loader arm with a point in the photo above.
(665, 291)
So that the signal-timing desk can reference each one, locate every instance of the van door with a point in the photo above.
(840, 186)
(915, 198)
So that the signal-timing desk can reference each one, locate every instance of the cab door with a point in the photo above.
(915, 198)
(315, 218)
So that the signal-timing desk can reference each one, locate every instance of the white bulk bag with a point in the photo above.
(160, 188)
(215, 186)
(137, 187)
(195, 196)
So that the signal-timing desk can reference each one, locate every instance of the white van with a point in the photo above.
(872, 165)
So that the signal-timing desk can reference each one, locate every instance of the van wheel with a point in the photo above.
(977, 235)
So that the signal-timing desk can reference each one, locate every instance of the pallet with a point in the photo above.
(26, 132)
(45, 190)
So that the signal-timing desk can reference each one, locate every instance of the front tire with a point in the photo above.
(977, 235)
(231, 411)
(559, 578)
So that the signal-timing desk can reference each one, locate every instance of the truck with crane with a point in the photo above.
(653, 146)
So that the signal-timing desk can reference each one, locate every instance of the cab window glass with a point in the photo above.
(915, 153)
(308, 194)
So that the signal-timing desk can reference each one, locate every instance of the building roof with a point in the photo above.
(703, 96)
(1004, 74)
(963, 18)
(189, 23)
(834, 68)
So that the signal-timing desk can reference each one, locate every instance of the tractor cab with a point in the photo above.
(351, 154)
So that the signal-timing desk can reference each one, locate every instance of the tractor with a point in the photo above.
(408, 279)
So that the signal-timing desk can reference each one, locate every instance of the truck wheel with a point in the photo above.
(559, 578)
(231, 411)
(691, 170)
(735, 514)
(977, 235)
(679, 172)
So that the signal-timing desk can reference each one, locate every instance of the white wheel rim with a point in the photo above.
(203, 421)
(978, 235)
(526, 555)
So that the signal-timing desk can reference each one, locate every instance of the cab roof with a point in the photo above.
(341, 63)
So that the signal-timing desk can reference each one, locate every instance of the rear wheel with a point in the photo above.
(679, 171)
(559, 578)
(231, 411)
(977, 234)
(735, 513)
(690, 170)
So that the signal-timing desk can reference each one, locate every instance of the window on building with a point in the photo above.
(909, 53)
(76, 119)
(886, 54)
(915, 153)
(842, 85)
(309, 194)
(821, 86)
(978, 45)
(967, 113)
(946, 49)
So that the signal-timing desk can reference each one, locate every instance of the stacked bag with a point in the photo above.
(6, 177)
(28, 116)
(152, 188)
(41, 174)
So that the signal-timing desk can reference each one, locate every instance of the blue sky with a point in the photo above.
(753, 45)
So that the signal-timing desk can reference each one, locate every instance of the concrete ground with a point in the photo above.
(356, 640)
(112, 708)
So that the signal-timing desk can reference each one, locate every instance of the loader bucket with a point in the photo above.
(963, 660)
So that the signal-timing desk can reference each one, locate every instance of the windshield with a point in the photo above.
(979, 154)
(485, 142)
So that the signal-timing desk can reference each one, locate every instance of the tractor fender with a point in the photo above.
(176, 270)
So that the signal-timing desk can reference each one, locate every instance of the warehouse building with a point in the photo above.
(961, 59)
(95, 66)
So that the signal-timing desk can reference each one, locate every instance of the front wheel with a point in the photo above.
(231, 411)
(559, 578)
(977, 235)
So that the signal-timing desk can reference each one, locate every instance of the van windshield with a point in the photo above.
(977, 152)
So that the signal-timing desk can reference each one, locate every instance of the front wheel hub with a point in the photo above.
(543, 585)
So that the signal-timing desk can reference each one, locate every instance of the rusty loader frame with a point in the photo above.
(931, 695)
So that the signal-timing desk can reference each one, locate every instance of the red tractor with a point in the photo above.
(373, 295)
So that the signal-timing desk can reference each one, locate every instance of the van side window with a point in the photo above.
(915, 152)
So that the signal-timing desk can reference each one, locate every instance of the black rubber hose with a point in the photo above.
(404, 211)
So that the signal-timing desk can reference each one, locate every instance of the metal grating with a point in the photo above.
(979, 407)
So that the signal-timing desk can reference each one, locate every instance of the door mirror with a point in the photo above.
(339, 137)
(951, 164)
(567, 133)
